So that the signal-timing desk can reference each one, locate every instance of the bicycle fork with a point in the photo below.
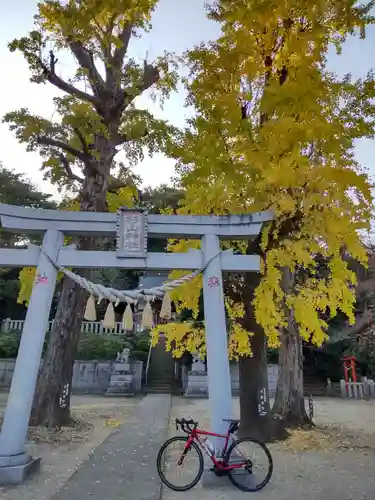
(186, 449)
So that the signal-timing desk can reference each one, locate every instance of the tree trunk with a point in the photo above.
(52, 398)
(254, 401)
(256, 420)
(289, 405)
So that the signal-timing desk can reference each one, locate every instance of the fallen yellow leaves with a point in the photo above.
(112, 423)
(326, 439)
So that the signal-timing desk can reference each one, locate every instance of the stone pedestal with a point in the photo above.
(122, 375)
(197, 385)
(16, 474)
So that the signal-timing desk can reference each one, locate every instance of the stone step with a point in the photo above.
(160, 374)
(158, 389)
(161, 360)
(121, 377)
(163, 390)
(161, 384)
(157, 380)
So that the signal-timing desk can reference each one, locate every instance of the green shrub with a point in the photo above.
(140, 347)
(141, 343)
(9, 344)
(89, 346)
(139, 355)
(95, 347)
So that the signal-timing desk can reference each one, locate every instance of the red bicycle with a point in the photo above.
(231, 462)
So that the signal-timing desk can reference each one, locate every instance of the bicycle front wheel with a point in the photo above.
(180, 468)
(255, 464)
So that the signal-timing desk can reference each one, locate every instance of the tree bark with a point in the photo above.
(254, 401)
(255, 415)
(289, 405)
(256, 420)
(51, 405)
(52, 398)
(253, 372)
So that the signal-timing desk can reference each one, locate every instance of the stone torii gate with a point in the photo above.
(131, 228)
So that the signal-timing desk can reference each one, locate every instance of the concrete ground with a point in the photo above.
(123, 467)
(333, 462)
(64, 452)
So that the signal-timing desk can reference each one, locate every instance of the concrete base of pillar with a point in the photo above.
(17, 474)
(197, 385)
(121, 381)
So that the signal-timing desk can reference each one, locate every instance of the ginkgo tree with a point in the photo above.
(96, 118)
(275, 129)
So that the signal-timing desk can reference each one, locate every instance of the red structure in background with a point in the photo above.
(350, 373)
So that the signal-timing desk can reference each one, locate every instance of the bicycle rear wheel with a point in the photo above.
(256, 468)
(174, 459)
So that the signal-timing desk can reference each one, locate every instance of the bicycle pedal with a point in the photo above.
(218, 472)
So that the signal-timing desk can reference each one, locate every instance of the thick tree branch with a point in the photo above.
(82, 141)
(48, 141)
(115, 185)
(122, 138)
(361, 323)
(86, 61)
(365, 286)
(70, 174)
(107, 49)
(50, 75)
(151, 75)
(120, 52)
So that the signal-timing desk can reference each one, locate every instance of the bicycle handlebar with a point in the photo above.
(187, 426)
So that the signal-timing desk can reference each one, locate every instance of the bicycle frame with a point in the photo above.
(195, 434)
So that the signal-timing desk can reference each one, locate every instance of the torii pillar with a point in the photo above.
(218, 368)
(15, 462)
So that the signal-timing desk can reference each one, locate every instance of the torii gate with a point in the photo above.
(131, 254)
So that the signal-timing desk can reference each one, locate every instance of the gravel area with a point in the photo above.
(333, 462)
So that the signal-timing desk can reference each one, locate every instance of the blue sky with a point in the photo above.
(177, 25)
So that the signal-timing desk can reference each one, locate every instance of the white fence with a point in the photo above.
(365, 389)
(90, 327)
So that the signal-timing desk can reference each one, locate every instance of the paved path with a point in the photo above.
(124, 466)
